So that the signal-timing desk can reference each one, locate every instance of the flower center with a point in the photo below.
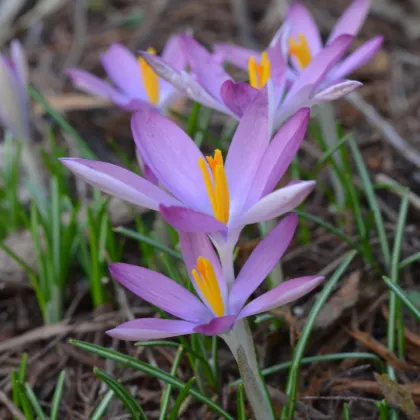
(150, 79)
(300, 49)
(206, 280)
(217, 188)
(259, 73)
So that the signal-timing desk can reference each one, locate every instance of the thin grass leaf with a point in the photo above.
(373, 203)
(240, 403)
(409, 260)
(346, 412)
(149, 370)
(24, 402)
(293, 378)
(58, 392)
(122, 394)
(35, 403)
(100, 410)
(173, 415)
(192, 123)
(167, 392)
(403, 297)
(142, 238)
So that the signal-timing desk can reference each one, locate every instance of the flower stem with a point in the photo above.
(240, 342)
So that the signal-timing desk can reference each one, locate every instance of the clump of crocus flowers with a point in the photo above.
(210, 199)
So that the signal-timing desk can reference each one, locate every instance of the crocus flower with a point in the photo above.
(206, 194)
(14, 104)
(304, 44)
(209, 84)
(217, 308)
(136, 85)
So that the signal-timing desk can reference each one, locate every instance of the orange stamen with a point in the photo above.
(150, 79)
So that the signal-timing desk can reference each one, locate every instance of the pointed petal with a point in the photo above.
(20, 62)
(277, 203)
(336, 91)
(302, 22)
(208, 71)
(173, 53)
(247, 148)
(216, 326)
(237, 95)
(194, 245)
(358, 58)
(260, 263)
(119, 182)
(284, 293)
(351, 20)
(189, 220)
(172, 156)
(123, 69)
(317, 70)
(151, 329)
(278, 155)
(234, 54)
(185, 83)
(161, 291)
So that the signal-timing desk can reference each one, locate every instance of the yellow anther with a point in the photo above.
(150, 79)
(206, 281)
(259, 73)
(300, 50)
(217, 188)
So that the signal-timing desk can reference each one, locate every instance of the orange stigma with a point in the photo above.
(300, 50)
(259, 73)
(150, 79)
(206, 281)
(217, 188)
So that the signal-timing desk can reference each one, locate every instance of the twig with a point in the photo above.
(9, 405)
(390, 135)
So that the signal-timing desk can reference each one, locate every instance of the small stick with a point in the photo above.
(9, 405)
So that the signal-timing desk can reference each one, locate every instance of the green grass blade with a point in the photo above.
(150, 241)
(240, 400)
(293, 378)
(122, 394)
(149, 370)
(100, 410)
(35, 403)
(167, 392)
(58, 392)
(173, 415)
(24, 402)
(409, 260)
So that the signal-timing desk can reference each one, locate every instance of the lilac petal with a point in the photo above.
(89, 83)
(277, 203)
(146, 171)
(262, 260)
(351, 20)
(336, 91)
(173, 53)
(189, 220)
(302, 22)
(281, 295)
(278, 155)
(194, 245)
(216, 326)
(237, 95)
(123, 69)
(316, 71)
(119, 182)
(208, 71)
(20, 62)
(151, 329)
(247, 148)
(172, 156)
(358, 58)
(185, 83)
(161, 291)
(239, 56)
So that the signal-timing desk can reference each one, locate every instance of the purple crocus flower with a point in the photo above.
(218, 307)
(136, 85)
(304, 45)
(209, 84)
(14, 104)
(199, 194)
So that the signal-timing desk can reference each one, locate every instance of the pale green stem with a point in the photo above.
(326, 117)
